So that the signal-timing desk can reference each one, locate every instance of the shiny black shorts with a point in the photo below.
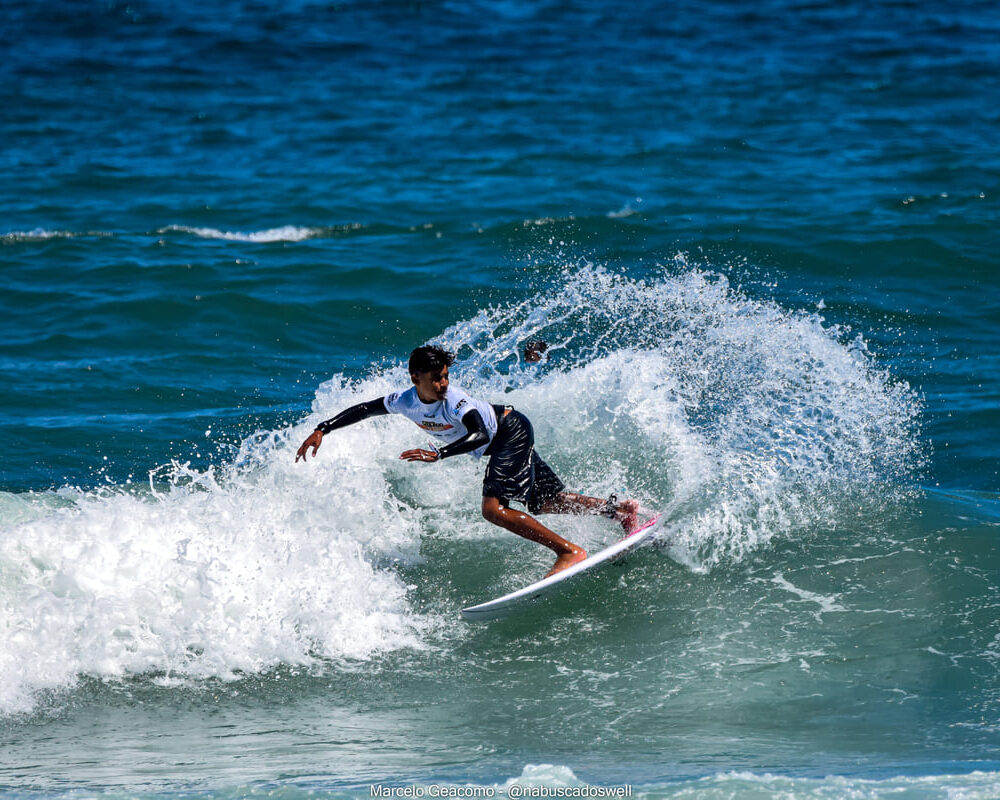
(515, 472)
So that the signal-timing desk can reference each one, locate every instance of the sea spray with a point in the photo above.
(752, 420)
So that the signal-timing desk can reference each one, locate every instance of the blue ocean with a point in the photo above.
(761, 243)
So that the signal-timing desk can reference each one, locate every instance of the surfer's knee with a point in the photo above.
(493, 509)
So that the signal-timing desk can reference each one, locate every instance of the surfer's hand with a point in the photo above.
(420, 455)
(314, 441)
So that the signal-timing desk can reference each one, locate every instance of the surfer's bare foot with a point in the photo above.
(627, 514)
(574, 556)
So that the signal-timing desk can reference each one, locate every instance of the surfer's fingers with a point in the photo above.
(303, 450)
(417, 455)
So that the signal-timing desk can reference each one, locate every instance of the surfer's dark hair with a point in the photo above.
(429, 358)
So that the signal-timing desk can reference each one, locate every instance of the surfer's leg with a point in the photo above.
(626, 512)
(516, 473)
(499, 513)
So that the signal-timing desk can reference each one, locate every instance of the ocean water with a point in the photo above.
(761, 242)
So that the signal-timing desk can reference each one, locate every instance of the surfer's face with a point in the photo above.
(431, 386)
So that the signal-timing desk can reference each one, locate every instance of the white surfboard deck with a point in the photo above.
(546, 587)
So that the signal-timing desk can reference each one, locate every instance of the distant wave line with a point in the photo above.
(285, 233)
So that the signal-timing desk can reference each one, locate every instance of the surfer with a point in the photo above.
(515, 472)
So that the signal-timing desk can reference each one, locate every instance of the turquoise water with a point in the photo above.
(762, 246)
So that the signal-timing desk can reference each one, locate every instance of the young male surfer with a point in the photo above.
(467, 425)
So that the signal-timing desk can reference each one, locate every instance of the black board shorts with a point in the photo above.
(515, 471)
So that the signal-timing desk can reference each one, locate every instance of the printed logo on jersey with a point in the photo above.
(460, 404)
(437, 427)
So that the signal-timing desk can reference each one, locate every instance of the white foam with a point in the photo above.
(976, 785)
(232, 571)
(543, 776)
(286, 233)
(36, 234)
(552, 780)
(825, 603)
(971, 786)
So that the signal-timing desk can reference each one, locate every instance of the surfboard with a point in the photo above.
(546, 587)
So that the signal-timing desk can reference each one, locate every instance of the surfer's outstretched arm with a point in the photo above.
(356, 413)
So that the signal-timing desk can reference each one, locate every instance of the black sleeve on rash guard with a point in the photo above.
(473, 440)
(372, 408)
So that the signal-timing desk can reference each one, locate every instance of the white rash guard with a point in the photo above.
(442, 419)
